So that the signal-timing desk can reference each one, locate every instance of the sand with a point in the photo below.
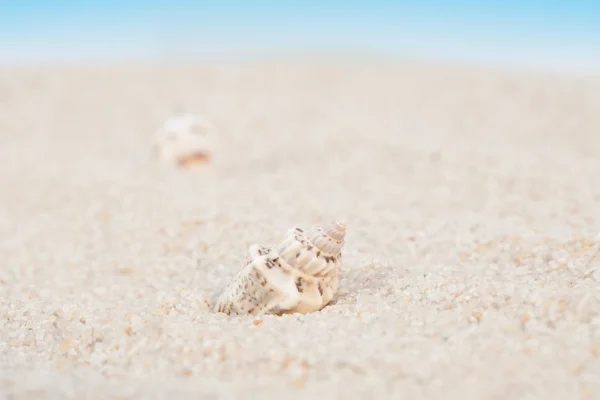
(472, 199)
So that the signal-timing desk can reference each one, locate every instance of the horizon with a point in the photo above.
(530, 34)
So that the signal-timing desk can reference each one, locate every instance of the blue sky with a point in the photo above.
(499, 31)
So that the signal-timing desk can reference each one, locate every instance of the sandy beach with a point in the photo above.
(471, 196)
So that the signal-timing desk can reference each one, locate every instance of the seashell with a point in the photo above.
(300, 275)
(185, 140)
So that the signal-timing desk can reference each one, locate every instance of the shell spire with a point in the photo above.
(336, 230)
(300, 275)
(328, 238)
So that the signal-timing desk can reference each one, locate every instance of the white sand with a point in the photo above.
(472, 200)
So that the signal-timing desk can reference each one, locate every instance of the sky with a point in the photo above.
(562, 34)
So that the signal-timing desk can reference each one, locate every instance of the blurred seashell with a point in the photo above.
(185, 140)
(300, 275)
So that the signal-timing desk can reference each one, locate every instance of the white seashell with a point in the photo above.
(298, 276)
(185, 140)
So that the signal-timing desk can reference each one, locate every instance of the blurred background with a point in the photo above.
(558, 35)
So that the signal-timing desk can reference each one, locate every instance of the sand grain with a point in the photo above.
(471, 197)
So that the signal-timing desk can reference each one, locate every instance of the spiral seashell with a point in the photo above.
(300, 275)
(185, 140)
